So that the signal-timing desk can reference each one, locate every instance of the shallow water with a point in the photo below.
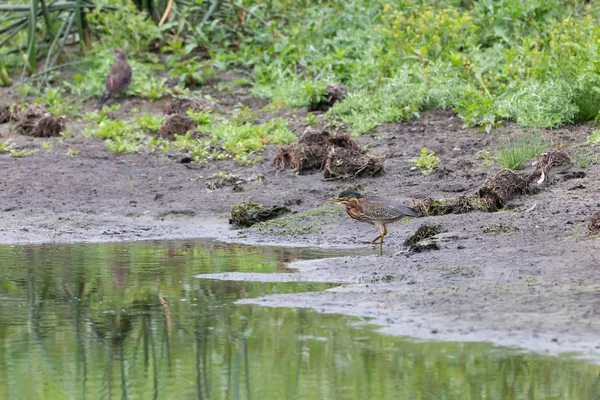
(130, 321)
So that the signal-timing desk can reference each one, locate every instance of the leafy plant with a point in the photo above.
(57, 102)
(124, 144)
(120, 136)
(427, 161)
(6, 146)
(148, 123)
(243, 115)
(225, 175)
(244, 140)
(311, 119)
(22, 153)
(201, 118)
(487, 156)
(594, 138)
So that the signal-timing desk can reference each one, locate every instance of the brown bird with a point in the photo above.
(118, 79)
(375, 210)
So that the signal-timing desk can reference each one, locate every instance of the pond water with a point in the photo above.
(130, 321)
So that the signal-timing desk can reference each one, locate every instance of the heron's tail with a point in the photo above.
(103, 99)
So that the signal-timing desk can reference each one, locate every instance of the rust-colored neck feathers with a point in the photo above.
(354, 208)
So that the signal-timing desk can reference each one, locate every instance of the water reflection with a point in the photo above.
(130, 321)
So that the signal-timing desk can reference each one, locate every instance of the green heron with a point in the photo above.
(375, 210)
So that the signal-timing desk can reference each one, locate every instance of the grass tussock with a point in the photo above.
(514, 152)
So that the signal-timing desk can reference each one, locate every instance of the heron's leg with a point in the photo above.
(375, 240)
(383, 233)
(378, 237)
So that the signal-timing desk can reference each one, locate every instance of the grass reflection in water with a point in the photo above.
(130, 321)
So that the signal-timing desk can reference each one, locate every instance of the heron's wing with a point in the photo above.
(394, 208)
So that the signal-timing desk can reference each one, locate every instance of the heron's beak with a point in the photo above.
(333, 201)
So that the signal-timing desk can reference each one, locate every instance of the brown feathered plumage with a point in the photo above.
(118, 79)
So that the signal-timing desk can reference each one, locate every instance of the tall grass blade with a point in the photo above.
(214, 7)
(79, 19)
(18, 29)
(46, 15)
(65, 27)
(31, 45)
(18, 23)
(4, 77)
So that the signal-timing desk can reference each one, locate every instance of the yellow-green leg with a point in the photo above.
(374, 240)
(382, 233)
(381, 242)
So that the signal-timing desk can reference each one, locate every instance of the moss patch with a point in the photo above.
(301, 224)
(249, 213)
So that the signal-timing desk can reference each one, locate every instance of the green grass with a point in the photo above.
(491, 62)
(22, 153)
(58, 102)
(533, 62)
(514, 152)
(148, 123)
(225, 175)
(6, 145)
(225, 138)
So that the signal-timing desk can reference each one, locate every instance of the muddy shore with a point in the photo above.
(526, 276)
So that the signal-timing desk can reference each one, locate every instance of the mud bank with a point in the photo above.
(527, 275)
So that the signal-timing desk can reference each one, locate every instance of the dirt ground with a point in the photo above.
(527, 275)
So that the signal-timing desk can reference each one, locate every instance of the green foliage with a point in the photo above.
(243, 140)
(189, 73)
(119, 136)
(57, 102)
(225, 175)
(294, 92)
(533, 62)
(91, 77)
(427, 161)
(237, 83)
(311, 119)
(594, 138)
(124, 27)
(237, 138)
(514, 152)
(585, 156)
(22, 153)
(38, 28)
(364, 110)
(185, 67)
(6, 145)
(487, 156)
(153, 88)
(202, 118)
(544, 105)
(148, 123)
